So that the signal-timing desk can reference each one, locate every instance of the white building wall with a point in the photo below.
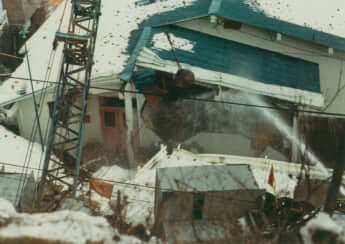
(331, 68)
(93, 130)
(26, 119)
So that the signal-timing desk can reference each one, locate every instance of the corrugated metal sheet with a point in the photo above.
(149, 59)
(197, 9)
(206, 178)
(12, 184)
(245, 61)
(145, 77)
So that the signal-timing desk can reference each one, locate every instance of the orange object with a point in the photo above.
(102, 188)
(271, 180)
(156, 96)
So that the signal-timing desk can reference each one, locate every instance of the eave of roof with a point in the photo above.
(107, 81)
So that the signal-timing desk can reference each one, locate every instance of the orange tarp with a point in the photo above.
(102, 188)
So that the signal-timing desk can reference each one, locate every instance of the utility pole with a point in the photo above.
(337, 178)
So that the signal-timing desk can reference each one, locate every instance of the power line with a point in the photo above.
(152, 188)
(106, 180)
(10, 56)
(291, 110)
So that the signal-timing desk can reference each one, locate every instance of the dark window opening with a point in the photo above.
(198, 204)
(166, 195)
(231, 24)
(109, 119)
(115, 102)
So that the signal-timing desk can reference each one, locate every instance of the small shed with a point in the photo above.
(203, 196)
(17, 188)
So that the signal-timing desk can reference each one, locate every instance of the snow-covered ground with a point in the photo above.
(64, 226)
(315, 231)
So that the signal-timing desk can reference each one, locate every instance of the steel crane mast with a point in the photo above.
(64, 147)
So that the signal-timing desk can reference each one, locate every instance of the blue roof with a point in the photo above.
(240, 11)
(221, 55)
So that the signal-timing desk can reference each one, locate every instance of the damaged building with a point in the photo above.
(235, 67)
(204, 197)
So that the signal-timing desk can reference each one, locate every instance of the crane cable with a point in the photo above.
(41, 100)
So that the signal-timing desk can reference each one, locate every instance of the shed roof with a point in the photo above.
(12, 184)
(206, 178)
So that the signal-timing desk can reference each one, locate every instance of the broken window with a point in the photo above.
(231, 24)
(109, 119)
(198, 203)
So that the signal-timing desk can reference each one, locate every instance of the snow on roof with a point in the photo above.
(64, 226)
(140, 190)
(160, 41)
(206, 178)
(14, 150)
(117, 22)
(326, 16)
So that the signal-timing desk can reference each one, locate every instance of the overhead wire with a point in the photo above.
(30, 145)
(10, 56)
(35, 126)
(121, 90)
(195, 99)
(124, 183)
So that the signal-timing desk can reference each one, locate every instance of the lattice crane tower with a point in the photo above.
(64, 146)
